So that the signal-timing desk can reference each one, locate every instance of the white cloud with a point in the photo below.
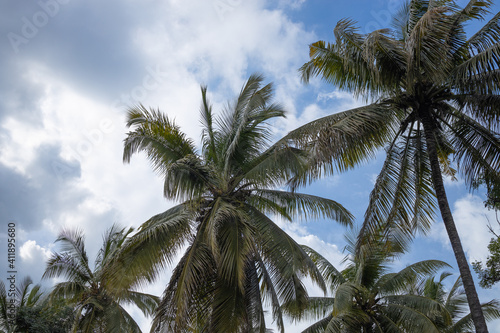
(33, 258)
(31, 252)
(472, 220)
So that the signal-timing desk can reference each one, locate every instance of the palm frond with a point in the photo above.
(491, 311)
(488, 35)
(477, 148)
(243, 130)
(145, 302)
(319, 326)
(403, 194)
(208, 135)
(283, 255)
(154, 246)
(395, 283)
(156, 135)
(275, 166)
(345, 139)
(299, 204)
(72, 263)
(332, 276)
(483, 107)
(70, 291)
(405, 314)
(117, 320)
(270, 294)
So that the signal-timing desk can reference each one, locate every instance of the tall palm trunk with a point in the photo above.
(449, 223)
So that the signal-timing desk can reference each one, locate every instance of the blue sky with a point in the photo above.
(70, 68)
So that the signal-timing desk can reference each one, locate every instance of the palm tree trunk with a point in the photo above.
(444, 207)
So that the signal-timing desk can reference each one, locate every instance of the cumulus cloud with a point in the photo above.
(31, 252)
(31, 260)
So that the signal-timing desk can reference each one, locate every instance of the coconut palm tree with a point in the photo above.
(435, 94)
(454, 301)
(24, 295)
(236, 258)
(99, 303)
(367, 297)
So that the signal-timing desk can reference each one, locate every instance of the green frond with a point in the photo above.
(145, 302)
(283, 255)
(347, 138)
(488, 35)
(484, 108)
(491, 311)
(456, 301)
(143, 257)
(253, 301)
(228, 310)
(190, 292)
(70, 291)
(332, 276)
(343, 64)
(243, 128)
(113, 240)
(270, 295)
(187, 178)
(156, 135)
(275, 166)
(428, 49)
(477, 149)
(317, 308)
(344, 296)
(192, 275)
(72, 263)
(22, 290)
(303, 205)
(34, 296)
(403, 194)
(410, 312)
(208, 134)
(235, 236)
(397, 282)
(477, 65)
(117, 320)
(319, 326)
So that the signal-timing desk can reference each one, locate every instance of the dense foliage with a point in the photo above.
(490, 274)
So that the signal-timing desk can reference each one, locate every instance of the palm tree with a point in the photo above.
(436, 101)
(237, 259)
(12, 302)
(454, 301)
(368, 298)
(98, 301)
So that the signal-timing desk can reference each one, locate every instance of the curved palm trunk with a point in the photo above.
(449, 223)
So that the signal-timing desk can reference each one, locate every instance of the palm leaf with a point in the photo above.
(299, 204)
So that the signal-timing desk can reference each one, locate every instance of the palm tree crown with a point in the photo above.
(237, 258)
(98, 301)
(454, 301)
(436, 98)
(367, 297)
